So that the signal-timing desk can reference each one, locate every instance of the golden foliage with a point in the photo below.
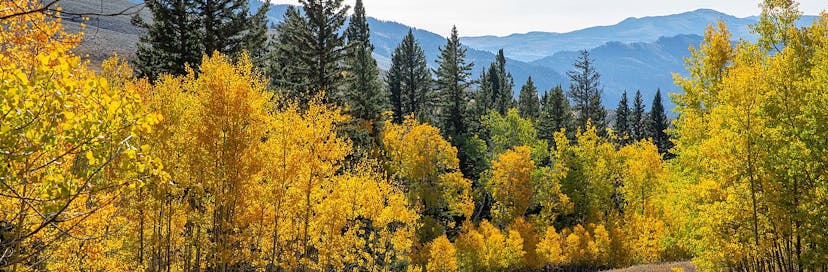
(442, 257)
(511, 184)
(71, 147)
(428, 167)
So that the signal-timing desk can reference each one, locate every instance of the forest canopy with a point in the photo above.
(294, 153)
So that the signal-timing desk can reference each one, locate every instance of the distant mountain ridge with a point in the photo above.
(634, 66)
(537, 45)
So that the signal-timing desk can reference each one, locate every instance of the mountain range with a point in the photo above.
(537, 45)
(635, 54)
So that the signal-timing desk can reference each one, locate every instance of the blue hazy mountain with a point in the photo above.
(633, 66)
(537, 45)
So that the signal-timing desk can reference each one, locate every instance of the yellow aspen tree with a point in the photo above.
(590, 170)
(428, 167)
(747, 148)
(70, 147)
(511, 184)
(442, 257)
(164, 213)
(503, 250)
(471, 248)
(549, 248)
(532, 259)
(644, 175)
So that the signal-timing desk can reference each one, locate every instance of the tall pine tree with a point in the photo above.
(322, 47)
(622, 116)
(555, 115)
(287, 70)
(585, 91)
(529, 102)
(363, 95)
(172, 40)
(657, 125)
(636, 122)
(409, 81)
(452, 81)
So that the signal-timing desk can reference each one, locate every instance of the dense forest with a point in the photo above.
(223, 147)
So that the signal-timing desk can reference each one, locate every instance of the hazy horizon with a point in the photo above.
(501, 18)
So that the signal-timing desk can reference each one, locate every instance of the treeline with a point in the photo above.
(226, 149)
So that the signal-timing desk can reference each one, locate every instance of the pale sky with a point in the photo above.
(503, 17)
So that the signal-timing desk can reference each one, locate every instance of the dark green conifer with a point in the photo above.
(452, 82)
(322, 48)
(585, 91)
(496, 84)
(529, 102)
(636, 121)
(182, 31)
(657, 125)
(286, 69)
(409, 81)
(622, 114)
(172, 40)
(555, 115)
(364, 95)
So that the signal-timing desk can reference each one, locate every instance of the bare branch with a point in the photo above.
(27, 12)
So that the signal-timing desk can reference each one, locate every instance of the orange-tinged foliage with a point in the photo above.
(532, 258)
(487, 248)
(106, 172)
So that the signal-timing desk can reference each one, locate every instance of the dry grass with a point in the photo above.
(663, 267)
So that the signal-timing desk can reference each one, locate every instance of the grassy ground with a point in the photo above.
(663, 267)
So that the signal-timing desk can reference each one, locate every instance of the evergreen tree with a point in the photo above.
(503, 97)
(257, 41)
(182, 31)
(496, 86)
(622, 116)
(585, 91)
(226, 26)
(636, 122)
(364, 95)
(409, 81)
(657, 124)
(287, 71)
(529, 103)
(483, 94)
(172, 40)
(555, 115)
(322, 47)
(452, 81)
